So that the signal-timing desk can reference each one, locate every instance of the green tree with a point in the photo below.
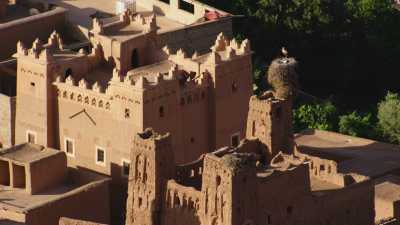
(321, 116)
(389, 117)
(357, 125)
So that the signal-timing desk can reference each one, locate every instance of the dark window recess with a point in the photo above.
(100, 155)
(135, 59)
(289, 210)
(165, 1)
(33, 84)
(127, 113)
(268, 219)
(125, 168)
(192, 140)
(70, 147)
(235, 140)
(161, 111)
(31, 138)
(186, 6)
(234, 87)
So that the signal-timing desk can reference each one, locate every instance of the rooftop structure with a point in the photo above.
(34, 194)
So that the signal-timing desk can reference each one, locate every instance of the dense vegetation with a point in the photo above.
(347, 51)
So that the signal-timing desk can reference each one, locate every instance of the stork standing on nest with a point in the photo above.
(285, 52)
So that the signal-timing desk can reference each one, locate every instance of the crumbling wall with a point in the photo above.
(39, 26)
(7, 121)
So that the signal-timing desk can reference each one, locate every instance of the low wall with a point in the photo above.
(28, 29)
(199, 37)
(89, 202)
(68, 221)
(7, 120)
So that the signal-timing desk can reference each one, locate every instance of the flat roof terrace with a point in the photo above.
(364, 157)
(80, 12)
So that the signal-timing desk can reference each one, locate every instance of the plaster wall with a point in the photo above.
(7, 121)
(40, 26)
(89, 202)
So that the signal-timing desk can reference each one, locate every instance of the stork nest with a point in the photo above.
(283, 78)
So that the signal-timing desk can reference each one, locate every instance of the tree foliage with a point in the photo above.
(339, 44)
(357, 125)
(389, 117)
(316, 116)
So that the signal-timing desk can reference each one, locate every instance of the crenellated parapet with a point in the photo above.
(41, 51)
(82, 92)
(226, 50)
(146, 23)
(55, 41)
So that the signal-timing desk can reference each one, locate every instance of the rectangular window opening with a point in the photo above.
(125, 167)
(31, 137)
(69, 147)
(186, 6)
(235, 140)
(100, 156)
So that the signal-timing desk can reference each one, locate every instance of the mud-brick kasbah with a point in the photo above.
(142, 113)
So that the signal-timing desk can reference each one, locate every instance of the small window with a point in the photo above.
(192, 140)
(100, 156)
(234, 87)
(289, 210)
(235, 140)
(186, 6)
(165, 1)
(125, 167)
(69, 147)
(161, 111)
(127, 113)
(322, 168)
(268, 219)
(31, 137)
(33, 84)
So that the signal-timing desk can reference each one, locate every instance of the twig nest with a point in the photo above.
(283, 78)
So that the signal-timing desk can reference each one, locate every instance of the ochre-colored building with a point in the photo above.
(248, 184)
(37, 188)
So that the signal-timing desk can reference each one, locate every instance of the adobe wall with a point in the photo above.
(172, 10)
(281, 196)
(7, 121)
(40, 26)
(351, 205)
(89, 202)
(43, 178)
(197, 37)
(182, 205)
(68, 221)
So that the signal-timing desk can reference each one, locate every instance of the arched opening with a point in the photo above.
(135, 59)
(218, 180)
